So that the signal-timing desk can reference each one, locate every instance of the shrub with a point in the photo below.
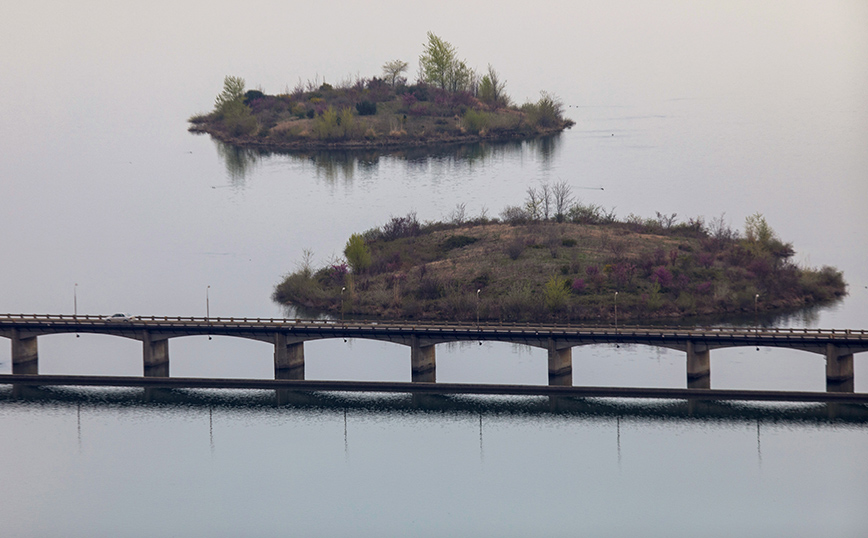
(578, 285)
(252, 95)
(544, 113)
(366, 108)
(357, 253)
(458, 241)
(662, 276)
(400, 227)
(475, 120)
(555, 293)
(514, 215)
(514, 248)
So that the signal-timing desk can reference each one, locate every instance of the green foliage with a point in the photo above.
(555, 293)
(757, 230)
(491, 89)
(334, 125)
(233, 92)
(357, 253)
(440, 66)
(325, 125)
(762, 239)
(230, 107)
(545, 113)
(299, 289)
(475, 121)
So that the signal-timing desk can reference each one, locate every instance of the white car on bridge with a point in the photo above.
(120, 316)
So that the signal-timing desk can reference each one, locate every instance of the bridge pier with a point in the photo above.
(560, 364)
(156, 356)
(698, 367)
(288, 358)
(25, 353)
(839, 370)
(423, 364)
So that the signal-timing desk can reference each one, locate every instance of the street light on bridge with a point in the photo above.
(343, 289)
(756, 317)
(75, 304)
(208, 306)
(477, 308)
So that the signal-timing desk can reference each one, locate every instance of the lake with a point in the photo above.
(108, 204)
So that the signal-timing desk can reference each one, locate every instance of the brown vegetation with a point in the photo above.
(372, 113)
(533, 269)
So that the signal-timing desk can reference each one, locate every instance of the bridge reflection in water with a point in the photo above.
(289, 335)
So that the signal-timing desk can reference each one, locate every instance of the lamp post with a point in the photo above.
(756, 317)
(208, 306)
(616, 312)
(477, 308)
(75, 304)
(343, 289)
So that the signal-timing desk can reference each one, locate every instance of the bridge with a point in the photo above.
(289, 335)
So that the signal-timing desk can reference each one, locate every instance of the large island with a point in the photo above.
(552, 261)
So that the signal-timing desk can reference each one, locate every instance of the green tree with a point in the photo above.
(544, 113)
(232, 94)
(357, 253)
(491, 89)
(762, 239)
(229, 106)
(439, 65)
(392, 71)
(326, 125)
(758, 230)
(555, 293)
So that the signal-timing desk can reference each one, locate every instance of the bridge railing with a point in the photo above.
(357, 323)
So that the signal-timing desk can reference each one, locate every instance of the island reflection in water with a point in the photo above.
(333, 165)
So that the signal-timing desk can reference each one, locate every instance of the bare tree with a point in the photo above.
(666, 221)
(546, 199)
(563, 195)
(459, 214)
(533, 204)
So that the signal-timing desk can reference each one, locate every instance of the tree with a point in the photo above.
(439, 65)
(555, 293)
(491, 89)
(758, 230)
(763, 239)
(229, 106)
(392, 71)
(232, 94)
(563, 195)
(357, 253)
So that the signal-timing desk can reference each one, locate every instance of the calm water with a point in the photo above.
(680, 108)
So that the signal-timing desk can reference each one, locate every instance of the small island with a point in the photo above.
(555, 260)
(450, 103)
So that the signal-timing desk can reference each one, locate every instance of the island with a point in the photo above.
(449, 103)
(556, 260)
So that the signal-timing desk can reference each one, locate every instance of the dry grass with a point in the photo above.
(656, 275)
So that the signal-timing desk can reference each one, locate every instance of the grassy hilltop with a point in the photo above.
(559, 262)
(450, 103)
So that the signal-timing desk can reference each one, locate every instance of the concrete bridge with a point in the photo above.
(289, 335)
